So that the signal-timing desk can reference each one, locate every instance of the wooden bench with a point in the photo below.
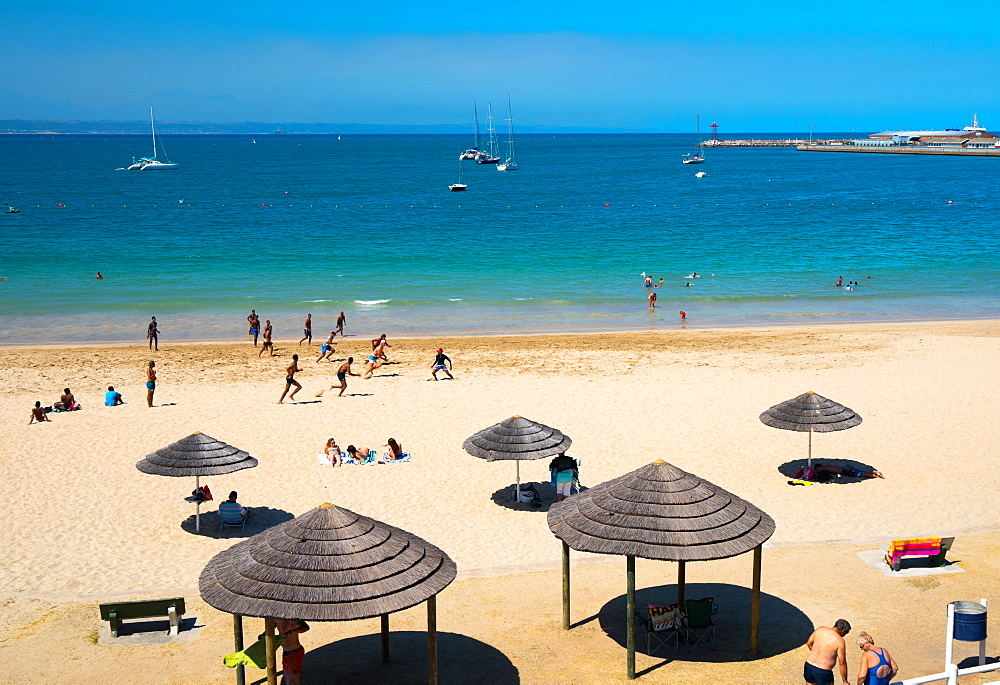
(933, 548)
(116, 612)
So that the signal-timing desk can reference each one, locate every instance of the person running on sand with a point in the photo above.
(268, 345)
(826, 649)
(342, 373)
(290, 372)
(326, 349)
(153, 333)
(150, 382)
(652, 300)
(378, 346)
(439, 364)
(292, 651)
(254, 321)
(38, 414)
(341, 320)
(877, 665)
(307, 330)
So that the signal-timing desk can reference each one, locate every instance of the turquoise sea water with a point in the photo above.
(295, 224)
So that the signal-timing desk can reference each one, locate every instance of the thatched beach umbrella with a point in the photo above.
(517, 438)
(810, 412)
(196, 455)
(660, 512)
(329, 564)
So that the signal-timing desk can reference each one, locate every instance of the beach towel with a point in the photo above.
(925, 547)
(387, 458)
(255, 655)
(323, 459)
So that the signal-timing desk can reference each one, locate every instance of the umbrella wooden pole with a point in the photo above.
(630, 617)
(565, 585)
(681, 580)
(810, 459)
(271, 648)
(197, 506)
(432, 641)
(755, 600)
(241, 675)
(385, 638)
(518, 487)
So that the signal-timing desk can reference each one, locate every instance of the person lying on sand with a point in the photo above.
(848, 471)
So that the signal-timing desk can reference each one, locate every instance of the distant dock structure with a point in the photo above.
(758, 142)
(971, 141)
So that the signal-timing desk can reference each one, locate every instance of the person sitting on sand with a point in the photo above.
(326, 349)
(38, 414)
(849, 471)
(877, 665)
(395, 450)
(112, 398)
(67, 402)
(232, 507)
(331, 453)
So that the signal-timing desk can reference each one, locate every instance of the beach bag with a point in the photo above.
(664, 617)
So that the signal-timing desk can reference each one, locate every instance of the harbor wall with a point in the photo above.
(903, 150)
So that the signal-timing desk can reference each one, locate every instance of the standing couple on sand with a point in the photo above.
(827, 649)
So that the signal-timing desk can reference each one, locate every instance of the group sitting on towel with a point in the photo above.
(333, 456)
(822, 473)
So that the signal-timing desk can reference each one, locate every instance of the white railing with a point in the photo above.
(951, 671)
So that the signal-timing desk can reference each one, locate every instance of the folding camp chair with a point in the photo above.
(657, 638)
(700, 625)
(233, 519)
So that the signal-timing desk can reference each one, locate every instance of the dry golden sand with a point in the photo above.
(82, 524)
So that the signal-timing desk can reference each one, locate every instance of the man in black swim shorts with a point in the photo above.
(290, 372)
(826, 649)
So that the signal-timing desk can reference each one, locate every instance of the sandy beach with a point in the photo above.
(84, 525)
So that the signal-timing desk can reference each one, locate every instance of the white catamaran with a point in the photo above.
(510, 164)
(150, 163)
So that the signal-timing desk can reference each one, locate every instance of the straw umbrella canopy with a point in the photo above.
(196, 455)
(517, 438)
(329, 564)
(660, 512)
(810, 413)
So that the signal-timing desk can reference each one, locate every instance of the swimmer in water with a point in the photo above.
(101, 278)
(648, 282)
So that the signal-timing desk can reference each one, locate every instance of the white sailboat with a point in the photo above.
(473, 152)
(152, 163)
(697, 158)
(490, 156)
(454, 187)
(510, 164)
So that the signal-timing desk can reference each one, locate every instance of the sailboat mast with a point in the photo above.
(491, 130)
(510, 132)
(475, 123)
(152, 129)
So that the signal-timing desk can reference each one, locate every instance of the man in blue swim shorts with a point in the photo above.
(326, 349)
(826, 648)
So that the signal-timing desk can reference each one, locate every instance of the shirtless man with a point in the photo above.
(652, 300)
(307, 330)
(326, 349)
(378, 347)
(292, 651)
(150, 382)
(153, 333)
(826, 648)
(254, 321)
(341, 320)
(290, 372)
(375, 359)
(38, 414)
(342, 373)
(268, 345)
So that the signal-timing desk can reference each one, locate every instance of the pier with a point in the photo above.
(903, 150)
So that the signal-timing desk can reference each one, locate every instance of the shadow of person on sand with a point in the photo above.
(791, 468)
(505, 496)
(461, 659)
(783, 627)
(261, 518)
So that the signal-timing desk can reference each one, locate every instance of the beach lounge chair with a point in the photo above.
(231, 516)
(699, 624)
(661, 625)
(933, 548)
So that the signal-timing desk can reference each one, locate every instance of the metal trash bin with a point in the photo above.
(970, 621)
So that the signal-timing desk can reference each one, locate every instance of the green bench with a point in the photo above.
(116, 612)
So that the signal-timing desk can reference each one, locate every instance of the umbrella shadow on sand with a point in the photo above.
(783, 626)
(359, 660)
(790, 468)
(505, 497)
(261, 518)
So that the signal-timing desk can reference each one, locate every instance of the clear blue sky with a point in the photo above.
(641, 65)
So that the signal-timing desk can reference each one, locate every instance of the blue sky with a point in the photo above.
(639, 65)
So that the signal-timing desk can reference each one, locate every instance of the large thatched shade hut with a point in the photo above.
(329, 564)
(810, 413)
(196, 455)
(517, 438)
(660, 512)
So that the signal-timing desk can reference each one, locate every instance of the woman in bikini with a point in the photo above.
(333, 452)
(395, 451)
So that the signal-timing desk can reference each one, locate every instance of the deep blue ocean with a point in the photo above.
(290, 224)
